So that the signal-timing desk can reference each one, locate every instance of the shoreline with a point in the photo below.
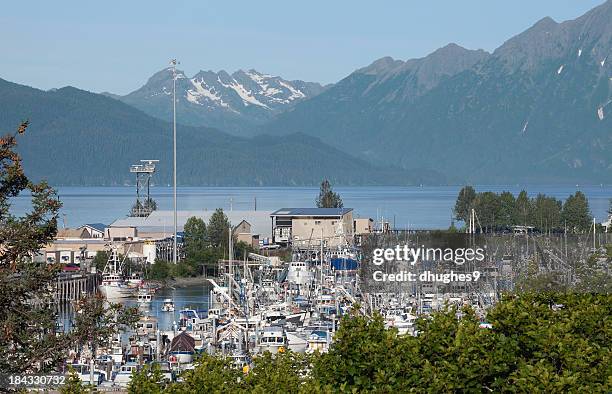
(185, 282)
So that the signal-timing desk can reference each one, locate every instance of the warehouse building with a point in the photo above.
(304, 227)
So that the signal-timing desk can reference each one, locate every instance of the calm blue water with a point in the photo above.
(414, 207)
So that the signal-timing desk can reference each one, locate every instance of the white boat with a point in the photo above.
(318, 341)
(113, 284)
(168, 305)
(135, 280)
(272, 340)
(144, 297)
(400, 319)
(124, 375)
(299, 273)
(113, 287)
(146, 325)
(84, 373)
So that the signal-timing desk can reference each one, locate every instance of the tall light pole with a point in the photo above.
(173, 64)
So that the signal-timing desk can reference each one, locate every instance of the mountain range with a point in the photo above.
(234, 103)
(538, 109)
(82, 138)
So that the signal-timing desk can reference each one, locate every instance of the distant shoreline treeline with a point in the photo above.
(502, 211)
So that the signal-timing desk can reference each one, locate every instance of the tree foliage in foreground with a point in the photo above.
(28, 339)
(539, 343)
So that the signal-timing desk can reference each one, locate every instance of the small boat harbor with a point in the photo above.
(289, 295)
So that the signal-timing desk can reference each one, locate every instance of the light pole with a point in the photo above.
(173, 64)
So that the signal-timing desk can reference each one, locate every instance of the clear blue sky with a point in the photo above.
(116, 45)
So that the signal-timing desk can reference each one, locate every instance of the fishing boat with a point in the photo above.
(135, 280)
(113, 285)
(273, 339)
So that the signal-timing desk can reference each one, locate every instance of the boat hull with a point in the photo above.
(115, 292)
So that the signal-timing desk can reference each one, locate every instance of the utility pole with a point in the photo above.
(173, 64)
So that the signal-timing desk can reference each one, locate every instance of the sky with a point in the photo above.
(116, 46)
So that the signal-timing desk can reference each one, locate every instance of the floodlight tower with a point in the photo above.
(144, 171)
(173, 64)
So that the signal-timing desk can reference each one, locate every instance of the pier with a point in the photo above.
(73, 286)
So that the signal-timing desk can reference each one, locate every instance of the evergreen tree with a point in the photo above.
(576, 213)
(465, 202)
(28, 341)
(327, 198)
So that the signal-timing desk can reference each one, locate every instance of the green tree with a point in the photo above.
(26, 328)
(523, 208)
(487, 206)
(99, 261)
(210, 375)
(27, 317)
(149, 380)
(576, 213)
(96, 320)
(74, 384)
(546, 213)
(279, 373)
(160, 270)
(218, 229)
(194, 236)
(506, 214)
(365, 357)
(464, 203)
(327, 198)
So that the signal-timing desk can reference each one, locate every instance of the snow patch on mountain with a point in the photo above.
(202, 90)
(295, 93)
(245, 95)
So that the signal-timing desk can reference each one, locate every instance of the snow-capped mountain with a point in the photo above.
(232, 102)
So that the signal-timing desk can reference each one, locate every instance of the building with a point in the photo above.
(362, 228)
(74, 245)
(121, 233)
(243, 232)
(160, 224)
(154, 232)
(304, 227)
(95, 230)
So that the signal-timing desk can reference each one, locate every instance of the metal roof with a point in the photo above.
(98, 226)
(163, 221)
(331, 212)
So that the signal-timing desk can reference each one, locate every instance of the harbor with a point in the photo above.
(260, 302)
